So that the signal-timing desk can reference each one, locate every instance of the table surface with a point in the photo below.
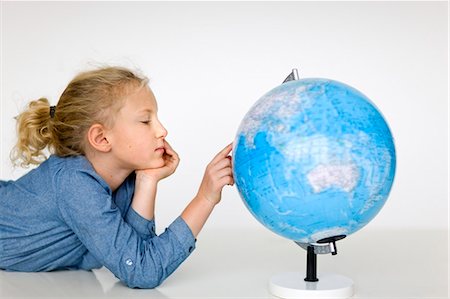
(239, 264)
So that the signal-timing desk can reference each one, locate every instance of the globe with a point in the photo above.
(314, 159)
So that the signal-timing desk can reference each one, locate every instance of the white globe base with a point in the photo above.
(292, 285)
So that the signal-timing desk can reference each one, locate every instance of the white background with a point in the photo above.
(209, 62)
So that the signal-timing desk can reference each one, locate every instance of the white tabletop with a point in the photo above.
(239, 264)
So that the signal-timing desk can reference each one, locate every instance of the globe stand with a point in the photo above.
(293, 285)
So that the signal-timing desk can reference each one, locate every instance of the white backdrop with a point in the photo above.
(208, 62)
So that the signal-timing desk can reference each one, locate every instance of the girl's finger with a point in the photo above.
(226, 180)
(167, 146)
(224, 172)
(222, 164)
(169, 149)
(223, 153)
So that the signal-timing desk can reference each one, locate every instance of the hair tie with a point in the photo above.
(52, 111)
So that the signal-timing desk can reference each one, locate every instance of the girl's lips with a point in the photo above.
(159, 149)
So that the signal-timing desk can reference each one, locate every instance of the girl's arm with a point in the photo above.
(86, 207)
(147, 180)
(144, 195)
(218, 174)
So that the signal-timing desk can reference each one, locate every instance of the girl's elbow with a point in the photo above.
(143, 283)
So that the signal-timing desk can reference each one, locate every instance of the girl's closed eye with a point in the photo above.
(146, 122)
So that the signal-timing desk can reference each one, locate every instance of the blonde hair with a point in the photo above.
(91, 97)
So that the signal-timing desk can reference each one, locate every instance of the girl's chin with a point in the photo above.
(157, 163)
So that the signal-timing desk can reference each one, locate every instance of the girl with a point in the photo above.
(91, 203)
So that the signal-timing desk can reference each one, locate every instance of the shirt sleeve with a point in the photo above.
(86, 206)
(145, 228)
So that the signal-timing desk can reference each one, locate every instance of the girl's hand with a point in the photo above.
(218, 174)
(171, 161)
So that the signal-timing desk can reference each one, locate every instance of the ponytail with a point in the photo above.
(34, 133)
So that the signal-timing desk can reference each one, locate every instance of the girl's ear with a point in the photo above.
(97, 138)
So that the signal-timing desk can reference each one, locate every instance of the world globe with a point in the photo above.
(314, 159)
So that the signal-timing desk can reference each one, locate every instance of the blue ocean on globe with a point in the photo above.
(313, 159)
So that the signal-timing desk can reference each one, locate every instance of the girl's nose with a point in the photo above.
(161, 132)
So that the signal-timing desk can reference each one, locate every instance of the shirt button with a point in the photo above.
(191, 248)
(129, 262)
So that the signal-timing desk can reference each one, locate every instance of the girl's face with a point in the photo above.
(137, 136)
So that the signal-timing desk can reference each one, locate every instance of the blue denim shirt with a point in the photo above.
(63, 215)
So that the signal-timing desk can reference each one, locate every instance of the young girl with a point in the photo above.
(91, 203)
